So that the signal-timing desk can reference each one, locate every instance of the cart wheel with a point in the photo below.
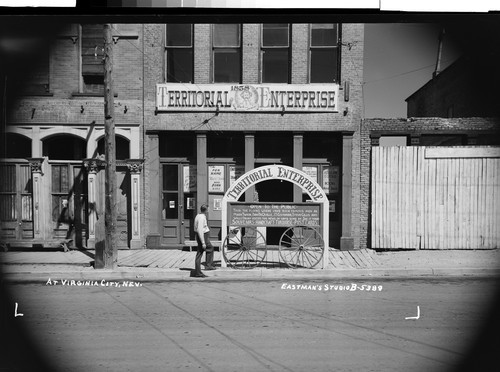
(244, 248)
(301, 246)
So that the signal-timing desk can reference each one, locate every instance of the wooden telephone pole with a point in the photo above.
(110, 256)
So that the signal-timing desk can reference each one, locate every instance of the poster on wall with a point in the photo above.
(216, 178)
(217, 204)
(331, 178)
(312, 172)
(235, 172)
(189, 175)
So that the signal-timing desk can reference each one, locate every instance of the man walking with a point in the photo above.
(202, 237)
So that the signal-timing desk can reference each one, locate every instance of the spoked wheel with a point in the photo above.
(301, 247)
(244, 248)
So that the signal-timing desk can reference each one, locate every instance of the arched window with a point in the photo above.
(64, 147)
(122, 147)
(17, 146)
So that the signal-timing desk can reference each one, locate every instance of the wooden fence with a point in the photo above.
(435, 197)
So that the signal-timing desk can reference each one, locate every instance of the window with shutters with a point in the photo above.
(324, 53)
(8, 210)
(226, 53)
(275, 53)
(93, 58)
(179, 53)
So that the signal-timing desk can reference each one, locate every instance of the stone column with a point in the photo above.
(135, 167)
(36, 178)
(93, 166)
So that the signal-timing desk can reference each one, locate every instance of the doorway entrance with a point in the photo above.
(16, 201)
(178, 203)
(274, 191)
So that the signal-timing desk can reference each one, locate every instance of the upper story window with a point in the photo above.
(93, 58)
(275, 52)
(179, 49)
(324, 53)
(227, 53)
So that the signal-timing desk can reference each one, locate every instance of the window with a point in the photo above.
(324, 53)
(227, 53)
(93, 58)
(177, 145)
(225, 145)
(275, 53)
(386, 141)
(122, 147)
(179, 48)
(15, 186)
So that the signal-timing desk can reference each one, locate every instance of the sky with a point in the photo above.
(399, 58)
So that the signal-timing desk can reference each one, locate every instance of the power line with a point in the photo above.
(398, 75)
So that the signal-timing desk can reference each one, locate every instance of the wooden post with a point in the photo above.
(110, 256)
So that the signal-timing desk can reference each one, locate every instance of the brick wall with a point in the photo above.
(347, 119)
(251, 54)
(412, 126)
(467, 88)
(61, 112)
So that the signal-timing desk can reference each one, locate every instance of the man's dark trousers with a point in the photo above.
(209, 256)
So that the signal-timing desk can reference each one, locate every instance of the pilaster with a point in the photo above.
(37, 180)
(93, 167)
(135, 167)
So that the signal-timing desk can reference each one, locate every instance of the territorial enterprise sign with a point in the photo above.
(244, 97)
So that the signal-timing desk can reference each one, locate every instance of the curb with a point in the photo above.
(149, 275)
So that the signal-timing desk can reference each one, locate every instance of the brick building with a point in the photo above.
(196, 106)
(54, 118)
(466, 88)
(223, 99)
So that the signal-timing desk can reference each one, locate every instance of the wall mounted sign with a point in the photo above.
(235, 172)
(331, 177)
(216, 178)
(256, 97)
(189, 175)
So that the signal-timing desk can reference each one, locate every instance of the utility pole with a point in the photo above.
(437, 70)
(110, 256)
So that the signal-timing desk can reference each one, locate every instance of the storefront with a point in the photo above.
(197, 162)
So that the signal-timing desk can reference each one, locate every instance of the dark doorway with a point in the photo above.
(274, 191)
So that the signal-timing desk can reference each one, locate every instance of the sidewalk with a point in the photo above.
(158, 265)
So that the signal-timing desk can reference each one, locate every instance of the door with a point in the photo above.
(16, 202)
(178, 204)
(122, 202)
(69, 202)
(274, 191)
(122, 207)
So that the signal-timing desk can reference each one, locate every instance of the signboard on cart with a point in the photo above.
(274, 214)
(312, 214)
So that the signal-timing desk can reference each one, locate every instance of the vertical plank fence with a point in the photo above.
(435, 197)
